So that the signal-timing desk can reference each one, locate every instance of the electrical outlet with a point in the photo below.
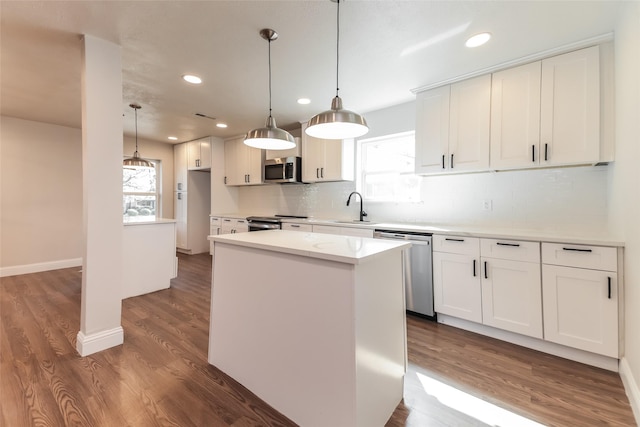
(487, 205)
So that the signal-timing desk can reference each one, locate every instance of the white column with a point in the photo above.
(100, 326)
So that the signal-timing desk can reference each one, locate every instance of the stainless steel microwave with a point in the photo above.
(283, 169)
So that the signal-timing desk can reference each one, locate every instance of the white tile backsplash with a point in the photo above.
(569, 199)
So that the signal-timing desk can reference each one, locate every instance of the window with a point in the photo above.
(386, 169)
(140, 192)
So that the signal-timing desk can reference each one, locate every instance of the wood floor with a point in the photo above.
(160, 376)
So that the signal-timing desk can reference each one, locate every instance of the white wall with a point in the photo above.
(40, 193)
(562, 199)
(41, 190)
(624, 185)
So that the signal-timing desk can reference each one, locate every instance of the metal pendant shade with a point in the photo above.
(270, 137)
(337, 123)
(136, 162)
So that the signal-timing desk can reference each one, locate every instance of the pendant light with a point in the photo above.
(270, 137)
(136, 162)
(337, 123)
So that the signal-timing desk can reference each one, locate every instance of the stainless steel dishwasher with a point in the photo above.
(418, 269)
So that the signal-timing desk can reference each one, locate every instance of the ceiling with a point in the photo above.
(387, 48)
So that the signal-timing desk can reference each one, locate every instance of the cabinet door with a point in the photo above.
(180, 166)
(515, 117)
(193, 155)
(456, 286)
(312, 157)
(432, 131)
(581, 308)
(180, 210)
(254, 165)
(570, 108)
(231, 173)
(512, 296)
(205, 154)
(469, 124)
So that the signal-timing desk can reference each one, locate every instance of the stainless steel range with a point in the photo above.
(259, 223)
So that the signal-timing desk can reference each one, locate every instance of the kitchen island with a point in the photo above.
(149, 255)
(313, 324)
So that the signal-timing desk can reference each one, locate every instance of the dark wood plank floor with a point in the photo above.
(160, 376)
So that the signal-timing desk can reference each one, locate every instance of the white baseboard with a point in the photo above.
(38, 267)
(89, 344)
(604, 362)
(631, 387)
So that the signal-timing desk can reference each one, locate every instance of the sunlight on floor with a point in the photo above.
(472, 406)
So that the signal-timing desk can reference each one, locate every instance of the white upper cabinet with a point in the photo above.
(570, 108)
(243, 164)
(515, 117)
(432, 130)
(180, 166)
(452, 127)
(199, 154)
(327, 159)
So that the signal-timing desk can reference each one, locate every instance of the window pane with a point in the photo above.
(139, 180)
(141, 206)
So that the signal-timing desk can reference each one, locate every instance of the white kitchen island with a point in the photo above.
(313, 324)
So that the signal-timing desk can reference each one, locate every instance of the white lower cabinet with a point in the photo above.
(580, 303)
(456, 286)
(343, 231)
(456, 277)
(234, 225)
(307, 228)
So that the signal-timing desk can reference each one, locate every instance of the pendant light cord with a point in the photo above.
(269, 77)
(337, 46)
(135, 110)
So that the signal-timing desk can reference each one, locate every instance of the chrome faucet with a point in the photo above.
(362, 212)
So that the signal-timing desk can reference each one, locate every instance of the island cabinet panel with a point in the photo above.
(310, 346)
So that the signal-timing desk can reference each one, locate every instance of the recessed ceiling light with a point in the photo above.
(190, 78)
(221, 125)
(304, 101)
(478, 40)
(173, 138)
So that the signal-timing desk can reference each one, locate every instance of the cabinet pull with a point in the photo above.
(485, 270)
(533, 153)
(546, 152)
(225, 179)
(453, 240)
(577, 250)
(443, 161)
(295, 226)
(321, 172)
(609, 287)
(474, 268)
(516, 245)
(317, 172)
(451, 161)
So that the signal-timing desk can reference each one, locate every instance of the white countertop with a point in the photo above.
(346, 249)
(132, 220)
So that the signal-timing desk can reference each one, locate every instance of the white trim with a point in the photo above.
(588, 358)
(604, 38)
(89, 344)
(39, 267)
(631, 387)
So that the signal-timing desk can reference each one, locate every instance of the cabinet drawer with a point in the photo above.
(307, 228)
(356, 232)
(457, 245)
(510, 249)
(215, 221)
(591, 257)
